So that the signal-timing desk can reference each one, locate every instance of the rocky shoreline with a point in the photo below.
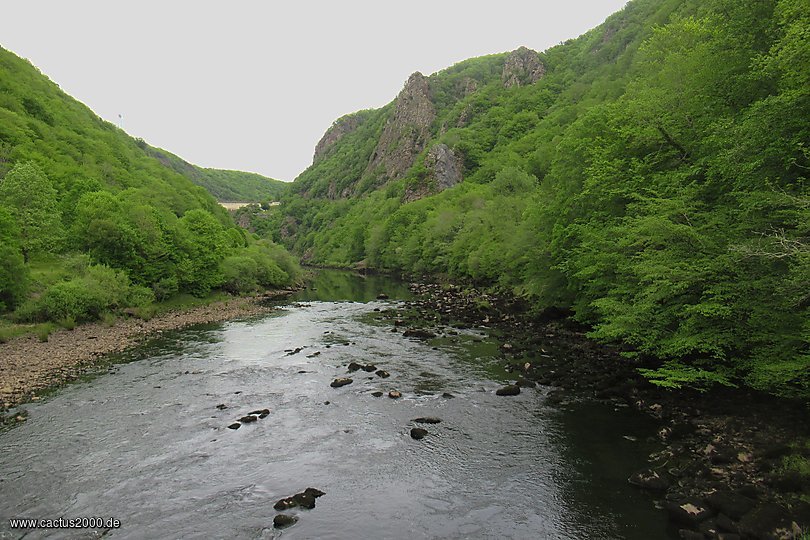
(29, 366)
(720, 474)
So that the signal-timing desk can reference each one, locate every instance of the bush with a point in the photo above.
(240, 274)
(85, 298)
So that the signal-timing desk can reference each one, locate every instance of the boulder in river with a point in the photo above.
(285, 503)
(248, 419)
(731, 504)
(261, 413)
(222, 406)
(508, 390)
(341, 381)
(235, 425)
(354, 366)
(284, 520)
(314, 492)
(688, 512)
(368, 368)
(304, 500)
(427, 420)
(418, 433)
(448, 395)
(382, 373)
(395, 394)
(649, 479)
(377, 393)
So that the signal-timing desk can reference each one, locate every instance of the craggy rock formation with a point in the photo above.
(341, 127)
(406, 133)
(445, 171)
(522, 67)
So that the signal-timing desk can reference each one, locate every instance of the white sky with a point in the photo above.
(252, 85)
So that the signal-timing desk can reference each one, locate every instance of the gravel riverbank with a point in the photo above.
(28, 366)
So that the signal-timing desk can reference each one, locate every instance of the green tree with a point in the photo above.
(30, 198)
(13, 272)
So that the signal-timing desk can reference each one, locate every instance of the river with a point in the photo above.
(147, 445)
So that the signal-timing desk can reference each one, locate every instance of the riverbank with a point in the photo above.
(29, 366)
(734, 463)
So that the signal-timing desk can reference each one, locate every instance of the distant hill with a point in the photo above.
(224, 185)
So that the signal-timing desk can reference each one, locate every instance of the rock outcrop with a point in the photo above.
(339, 128)
(444, 167)
(406, 133)
(522, 67)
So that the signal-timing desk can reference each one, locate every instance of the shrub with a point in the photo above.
(240, 274)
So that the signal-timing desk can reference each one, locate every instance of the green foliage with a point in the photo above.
(654, 181)
(78, 195)
(13, 272)
(29, 197)
(85, 297)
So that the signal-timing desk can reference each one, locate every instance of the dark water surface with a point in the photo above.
(148, 446)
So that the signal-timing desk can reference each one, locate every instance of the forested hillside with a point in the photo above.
(91, 223)
(222, 184)
(650, 175)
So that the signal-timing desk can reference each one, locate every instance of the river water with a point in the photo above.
(147, 445)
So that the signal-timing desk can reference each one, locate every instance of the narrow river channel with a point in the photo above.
(147, 445)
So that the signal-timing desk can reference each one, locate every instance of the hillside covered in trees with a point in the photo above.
(91, 222)
(650, 176)
(223, 185)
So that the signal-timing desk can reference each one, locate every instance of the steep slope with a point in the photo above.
(92, 222)
(224, 185)
(650, 175)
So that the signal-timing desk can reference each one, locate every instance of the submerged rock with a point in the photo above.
(508, 390)
(354, 366)
(368, 368)
(235, 425)
(282, 521)
(377, 393)
(448, 395)
(427, 420)
(417, 333)
(418, 433)
(248, 419)
(341, 381)
(222, 406)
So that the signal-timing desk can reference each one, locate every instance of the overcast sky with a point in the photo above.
(252, 85)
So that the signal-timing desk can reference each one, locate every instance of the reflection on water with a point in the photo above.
(149, 446)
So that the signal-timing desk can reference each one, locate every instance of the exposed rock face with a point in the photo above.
(406, 133)
(341, 127)
(445, 171)
(522, 67)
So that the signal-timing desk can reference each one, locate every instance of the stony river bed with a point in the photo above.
(162, 442)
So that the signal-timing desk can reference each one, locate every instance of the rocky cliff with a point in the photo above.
(340, 128)
(522, 67)
(406, 132)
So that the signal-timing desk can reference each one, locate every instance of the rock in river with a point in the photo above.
(509, 390)
(248, 419)
(341, 381)
(417, 333)
(427, 420)
(418, 433)
(369, 368)
(377, 393)
(649, 479)
(395, 394)
(284, 520)
(382, 373)
(354, 366)
(235, 425)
